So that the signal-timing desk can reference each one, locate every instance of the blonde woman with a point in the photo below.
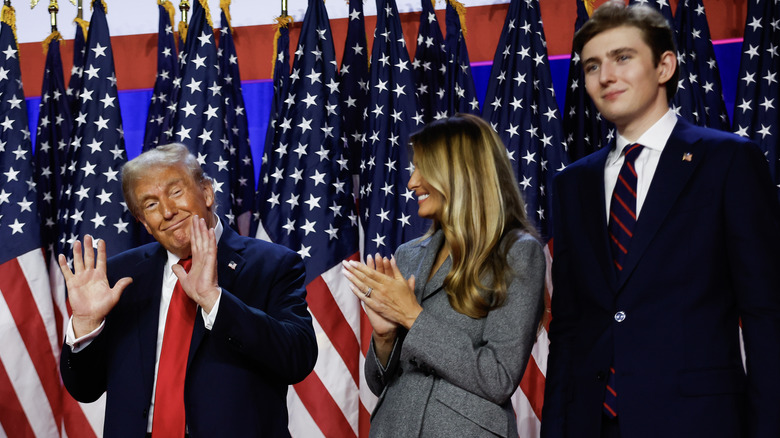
(455, 312)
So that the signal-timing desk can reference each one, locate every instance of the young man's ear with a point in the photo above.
(666, 66)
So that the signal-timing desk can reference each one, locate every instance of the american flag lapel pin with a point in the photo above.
(687, 156)
(232, 265)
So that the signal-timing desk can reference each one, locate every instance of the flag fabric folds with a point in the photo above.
(167, 72)
(30, 390)
(430, 66)
(695, 45)
(242, 170)
(199, 119)
(354, 84)
(93, 198)
(388, 209)
(462, 95)
(755, 112)
(306, 204)
(584, 128)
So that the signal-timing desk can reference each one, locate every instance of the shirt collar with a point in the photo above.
(654, 138)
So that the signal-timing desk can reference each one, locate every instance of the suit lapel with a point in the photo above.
(229, 265)
(149, 282)
(593, 210)
(429, 249)
(681, 156)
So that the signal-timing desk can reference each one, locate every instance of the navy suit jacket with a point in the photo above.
(237, 373)
(705, 255)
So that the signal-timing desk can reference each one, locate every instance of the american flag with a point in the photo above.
(167, 71)
(51, 145)
(281, 78)
(30, 392)
(583, 126)
(430, 67)
(77, 71)
(521, 107)
(306, 204)
(354, 84)
(388, 210)
(695, 46)
(462, 95)
(93, 201)
(242, 169)
(755, 113)
(199, 120)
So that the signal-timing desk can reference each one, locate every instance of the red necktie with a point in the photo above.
(622, 218)
(169, 416)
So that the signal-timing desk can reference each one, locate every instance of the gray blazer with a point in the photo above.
(451, 375)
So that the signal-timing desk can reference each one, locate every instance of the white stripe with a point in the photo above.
(35, 272)
(527, 423)
(96, 414)
(335, 377)
(23, 376)
(300, 423)
(366, 396)
(541, 351)
(262, 234)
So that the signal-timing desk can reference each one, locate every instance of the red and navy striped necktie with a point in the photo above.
(622, 209)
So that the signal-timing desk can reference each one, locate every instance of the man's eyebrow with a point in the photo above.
(167, 185)
(621, 51)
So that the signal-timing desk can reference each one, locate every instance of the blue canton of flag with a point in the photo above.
(93, 193)
(462, 97)
(388, 208)
(430, 67)
(167, 71)
(354, 84)
(755, 114)
(77, 71)
(19, 224)
(51, 143)
(242, 169)
(520, 105)
(306, 201)
(584, 128)
(693, 40)
(281, 78)
(199, 123)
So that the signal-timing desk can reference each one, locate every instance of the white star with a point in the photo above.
(379, 240)
(194, 85)
(10, 52)
(313, 202)
(304, 251)
(16, 226)
(184, 133)
(121, 226)
(104, 196)
(318, 178)
(24, 205)
(189, 109)
(204, 39)
(92, 72)
(332, 232)
(101, 123)
(98, 220)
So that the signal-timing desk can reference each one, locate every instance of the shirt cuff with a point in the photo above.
(81, 343)
(209, 318)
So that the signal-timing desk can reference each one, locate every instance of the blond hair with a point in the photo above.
(483, 211)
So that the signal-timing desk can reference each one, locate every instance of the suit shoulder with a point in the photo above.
(525, 248)
(134, 255)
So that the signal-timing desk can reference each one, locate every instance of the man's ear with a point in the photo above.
(208, 193)
(143, 222)
(667, 65)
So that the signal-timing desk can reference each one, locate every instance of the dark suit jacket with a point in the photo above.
(237, 373)
(705, 254)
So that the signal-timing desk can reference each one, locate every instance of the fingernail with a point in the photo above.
(353, 263)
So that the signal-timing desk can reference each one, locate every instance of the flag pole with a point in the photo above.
(79, 9)
(284, 8)
(53, 9)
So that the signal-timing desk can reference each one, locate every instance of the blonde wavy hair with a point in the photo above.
(483, 212)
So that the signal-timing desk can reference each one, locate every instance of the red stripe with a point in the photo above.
(532, 386)
(625, 183)
(615, 218)
(32, 329)
(631, 168)
(364, 421)
(607, 407)
(609, 388)
(617, 242)
(628, 209)
(322, 408)
(12, 416)
(336, 327)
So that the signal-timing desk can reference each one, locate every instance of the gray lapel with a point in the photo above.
(430, 249)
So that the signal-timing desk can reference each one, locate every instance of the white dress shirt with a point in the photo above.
(654, 140)
(168, 283)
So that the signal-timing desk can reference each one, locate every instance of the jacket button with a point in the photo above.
(620, 316)
(600, 376)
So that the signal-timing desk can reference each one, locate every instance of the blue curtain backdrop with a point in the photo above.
(134, 104)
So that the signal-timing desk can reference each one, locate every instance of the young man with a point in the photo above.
(664, 245)
(208, 350)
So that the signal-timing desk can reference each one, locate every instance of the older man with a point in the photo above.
(202, 331)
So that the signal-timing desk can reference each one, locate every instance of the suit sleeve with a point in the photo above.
(85, 373)
(276, 332)
(493, 368)
(564, 317)
(753, 227)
